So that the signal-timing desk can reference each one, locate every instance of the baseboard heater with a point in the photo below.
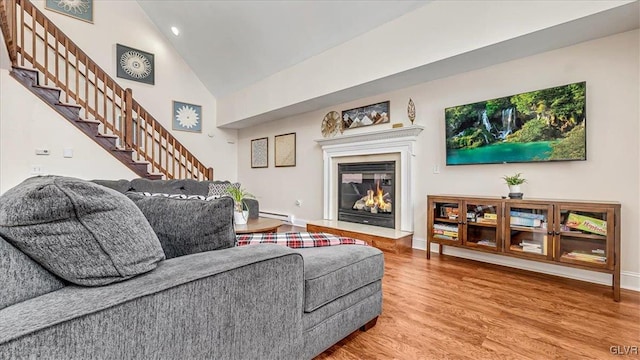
(284, 217)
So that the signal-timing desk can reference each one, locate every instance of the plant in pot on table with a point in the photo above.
(514, 183)
(241, 211)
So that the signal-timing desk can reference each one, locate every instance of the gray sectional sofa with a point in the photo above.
(253, 302)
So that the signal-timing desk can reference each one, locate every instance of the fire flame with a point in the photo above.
(376, 199)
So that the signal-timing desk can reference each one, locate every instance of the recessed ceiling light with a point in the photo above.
(175, 31)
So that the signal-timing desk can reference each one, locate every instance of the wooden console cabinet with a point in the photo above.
(580, 234)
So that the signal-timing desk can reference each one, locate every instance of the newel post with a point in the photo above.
(128, 118)
(210, 174)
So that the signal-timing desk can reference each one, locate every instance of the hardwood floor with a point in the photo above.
(451, 308)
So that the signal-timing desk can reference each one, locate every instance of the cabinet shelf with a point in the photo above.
(444, 237)
(445, 220)
(529, 229)
(489, 225)
(562, 237)
(570, 234)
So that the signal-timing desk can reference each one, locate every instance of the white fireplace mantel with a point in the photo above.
(386, 141)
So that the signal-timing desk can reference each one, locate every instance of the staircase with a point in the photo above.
(54, 68)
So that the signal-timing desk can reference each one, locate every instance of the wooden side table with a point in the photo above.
(259, 225)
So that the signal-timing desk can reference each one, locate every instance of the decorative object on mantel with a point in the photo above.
(514, 183)
(77, 9)
(366, 115)
(136, 65)
(187, 117)
(411, 111)
(260, 153)
(397, 125)
(285, 149)
(331, 124)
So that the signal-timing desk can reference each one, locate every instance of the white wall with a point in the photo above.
(610, 66)
(125, 23)
(39, 127)
(436, 31)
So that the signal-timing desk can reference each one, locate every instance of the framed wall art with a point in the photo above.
(187, 117)
(285, 149)
(78, 9)
(366, 115)
(134, 64)
(260, 153)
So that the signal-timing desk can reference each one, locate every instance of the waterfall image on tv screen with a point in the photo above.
(542, 125)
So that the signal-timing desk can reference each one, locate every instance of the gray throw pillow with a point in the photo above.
(186, 226)
(83, 232)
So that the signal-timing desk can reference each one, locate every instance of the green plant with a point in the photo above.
(238, 195)
(514, 179)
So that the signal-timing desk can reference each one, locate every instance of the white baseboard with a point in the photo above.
(628, 280)
(300, 222)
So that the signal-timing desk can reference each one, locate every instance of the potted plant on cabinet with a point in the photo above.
(514, 183)
(241, 212)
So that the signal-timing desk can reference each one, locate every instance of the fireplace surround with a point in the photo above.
(376, 145)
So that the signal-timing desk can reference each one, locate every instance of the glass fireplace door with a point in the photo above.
(366, 193)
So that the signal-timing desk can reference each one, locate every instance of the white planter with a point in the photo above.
(241, 218)
(514, 188)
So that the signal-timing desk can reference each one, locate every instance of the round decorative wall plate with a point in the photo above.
(331, 124)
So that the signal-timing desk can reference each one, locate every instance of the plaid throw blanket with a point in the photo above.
(296, 239)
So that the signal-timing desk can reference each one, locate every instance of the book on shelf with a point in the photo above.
(587, 223)
(582, 256)
(539, 247)
(527, 215)
(445, 237)
(449, 211)
(445, 232)
(530, 249)
(447, 227)
(487, 243)
(520, 221)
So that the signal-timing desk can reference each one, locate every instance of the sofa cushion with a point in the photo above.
(175, 186)
(118, 185)
(187, 226)
(219, 189)
(83, 232)
(21, 277)
(334, 271)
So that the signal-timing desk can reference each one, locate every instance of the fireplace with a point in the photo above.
(366, 193)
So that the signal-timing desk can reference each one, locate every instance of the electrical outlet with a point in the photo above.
(37, 170)
(436, 169)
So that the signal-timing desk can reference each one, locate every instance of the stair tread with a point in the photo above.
(108, 136)
(46, 87)
(24, 68)
(69, 105)
(89, 121)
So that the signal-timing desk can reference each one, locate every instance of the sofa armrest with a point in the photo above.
(254, 208)
(234, 303)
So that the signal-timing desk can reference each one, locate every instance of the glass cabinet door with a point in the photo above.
(481, 224)
(528, 230)
(584, 235)
(447, 219)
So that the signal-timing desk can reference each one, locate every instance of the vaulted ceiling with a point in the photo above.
(251, 54)
(232, 44)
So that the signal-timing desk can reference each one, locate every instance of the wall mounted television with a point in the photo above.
(536, 126)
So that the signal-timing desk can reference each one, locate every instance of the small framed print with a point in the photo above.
(285, 149)
(78, 9)
(187, 117)
(134, 64)
(260, 153)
